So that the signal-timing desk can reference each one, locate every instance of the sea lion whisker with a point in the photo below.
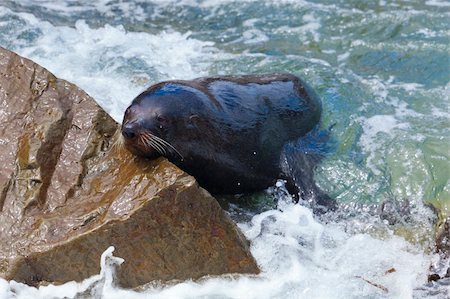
(150, 142)
(146, 134)
(119, 143)
(159, 144)
(161, 148)
(158, 147)
(145, 140)
(163, 142)
(141, 139)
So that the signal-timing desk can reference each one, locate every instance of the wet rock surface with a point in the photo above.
(443, 249)
(67, 194)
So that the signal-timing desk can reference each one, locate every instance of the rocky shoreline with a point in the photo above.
(67, 194)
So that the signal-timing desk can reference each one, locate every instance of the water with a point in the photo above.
(382, 70)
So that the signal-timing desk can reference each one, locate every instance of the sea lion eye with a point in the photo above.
(161, 119)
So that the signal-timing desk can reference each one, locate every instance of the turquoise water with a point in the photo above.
(382, 70)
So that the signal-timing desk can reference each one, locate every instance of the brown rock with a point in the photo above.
(66, 194)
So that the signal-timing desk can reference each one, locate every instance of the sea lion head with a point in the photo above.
(149, 121)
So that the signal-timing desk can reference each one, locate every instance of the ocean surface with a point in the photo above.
(382, 71)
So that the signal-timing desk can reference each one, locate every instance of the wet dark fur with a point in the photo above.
(230, 133)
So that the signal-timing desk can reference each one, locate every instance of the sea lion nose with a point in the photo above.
(129, 131)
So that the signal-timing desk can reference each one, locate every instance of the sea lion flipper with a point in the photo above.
(298, 161)
(299, 177)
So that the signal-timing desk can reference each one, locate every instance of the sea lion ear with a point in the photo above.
(194, 118)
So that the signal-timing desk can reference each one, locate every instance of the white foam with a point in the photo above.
(370, 140)
(437, 3)
(253, 36)
(60, 6)
(99, 284)
(298, 255)
(427, 32)
(319, 61)
(103, 61)
(381, 129)
(127, 9)
(441, 113)
(311, 26)
(343, 57)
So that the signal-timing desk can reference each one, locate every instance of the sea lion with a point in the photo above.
(229, 132)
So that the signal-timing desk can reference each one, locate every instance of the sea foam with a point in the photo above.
(109, 63)
(298, 256)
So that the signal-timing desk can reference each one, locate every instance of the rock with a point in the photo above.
(443, 238)
(67, 194)
(443, 246)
